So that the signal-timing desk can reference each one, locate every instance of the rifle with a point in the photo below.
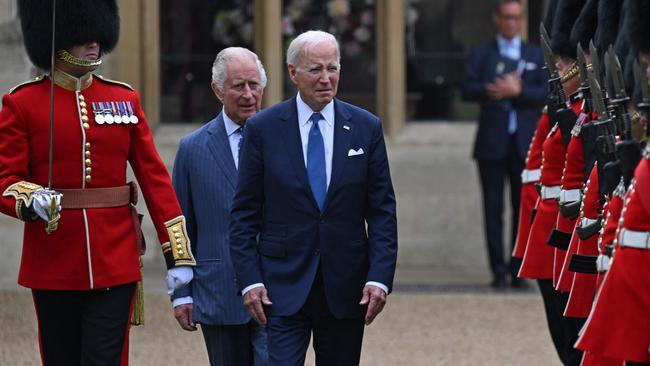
(564, 116)
(605, 142)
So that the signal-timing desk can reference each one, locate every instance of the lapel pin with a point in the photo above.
(346, 127)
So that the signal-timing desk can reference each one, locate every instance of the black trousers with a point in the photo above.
(241, 344)
(564, 331)
(84, 327)
(494, 174)
(337, 342)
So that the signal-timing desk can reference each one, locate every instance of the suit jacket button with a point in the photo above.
(317, 252)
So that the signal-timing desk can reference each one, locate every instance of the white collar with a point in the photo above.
(514, 42)
(305, 112)
(231, 126)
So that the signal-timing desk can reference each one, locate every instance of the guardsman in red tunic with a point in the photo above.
(618, 325)
(539, 258)
(529, 177)
(84, 268)
(532, 172)
(586, 262)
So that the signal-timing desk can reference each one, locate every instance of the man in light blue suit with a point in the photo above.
(205, 177)
(314, 184)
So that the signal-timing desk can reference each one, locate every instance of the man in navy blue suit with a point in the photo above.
(506, 77)
(205, 177)
(315, 187)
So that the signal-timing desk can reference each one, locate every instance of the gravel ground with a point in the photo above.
(414, 329)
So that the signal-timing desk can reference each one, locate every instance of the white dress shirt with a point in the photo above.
(326, 126)
(512, 50)
(234, 136)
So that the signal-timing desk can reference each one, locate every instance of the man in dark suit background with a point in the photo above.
(205, 177)
(313, 174)
(505, 76)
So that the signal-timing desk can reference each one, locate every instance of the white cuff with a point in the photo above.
(250, 287)
(182, 301)
(378, 284)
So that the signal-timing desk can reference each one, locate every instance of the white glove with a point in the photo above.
(42, 203)
(178, 277)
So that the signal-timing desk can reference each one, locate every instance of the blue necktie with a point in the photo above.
(240, 131)
(316, 161)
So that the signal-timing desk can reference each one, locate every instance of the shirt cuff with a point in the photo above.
(378, 284)
(182, 301)
(250, 287)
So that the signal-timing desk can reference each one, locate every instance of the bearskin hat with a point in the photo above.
(585, 26)
(566, 13)
(609, 16)
(77, 22)
(622, 42)
(638, 24)
(550, 15)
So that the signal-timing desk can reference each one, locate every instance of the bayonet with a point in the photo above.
(616, 74)
(595, 63)
(554, 78)
(620, 98)
(598, 101)
(584, 79)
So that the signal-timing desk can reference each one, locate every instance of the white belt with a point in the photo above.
(550, 192)
(587, 222)
(531, 175)
(570, 195)
(602, 263)
(634, 239)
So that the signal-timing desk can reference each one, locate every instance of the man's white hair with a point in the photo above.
(307, 39)
(219, 73)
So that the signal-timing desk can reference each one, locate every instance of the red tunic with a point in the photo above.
(528, 192)
(92, 248)
(618, 326)
(573, 178)
(538, 261)
(583, 287)
(538, 257)
(591, 359)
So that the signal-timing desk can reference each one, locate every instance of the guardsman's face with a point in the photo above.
(508, 19)
(86, 51)
(563, 64)
(242, 90)
(317, 74)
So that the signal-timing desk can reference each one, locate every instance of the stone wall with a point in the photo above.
(15, 67)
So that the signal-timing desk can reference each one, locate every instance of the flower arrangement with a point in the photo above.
(351, 21)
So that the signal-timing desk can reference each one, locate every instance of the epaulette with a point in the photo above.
(114, 82)
(34, 80)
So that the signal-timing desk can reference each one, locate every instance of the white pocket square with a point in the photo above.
(531, 66)
(354, 152)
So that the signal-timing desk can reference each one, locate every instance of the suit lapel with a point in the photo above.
(220, 147)
(293, 143)
(342, 138)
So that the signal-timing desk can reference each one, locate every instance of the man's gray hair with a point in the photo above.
(219, 73)
(306, 39)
